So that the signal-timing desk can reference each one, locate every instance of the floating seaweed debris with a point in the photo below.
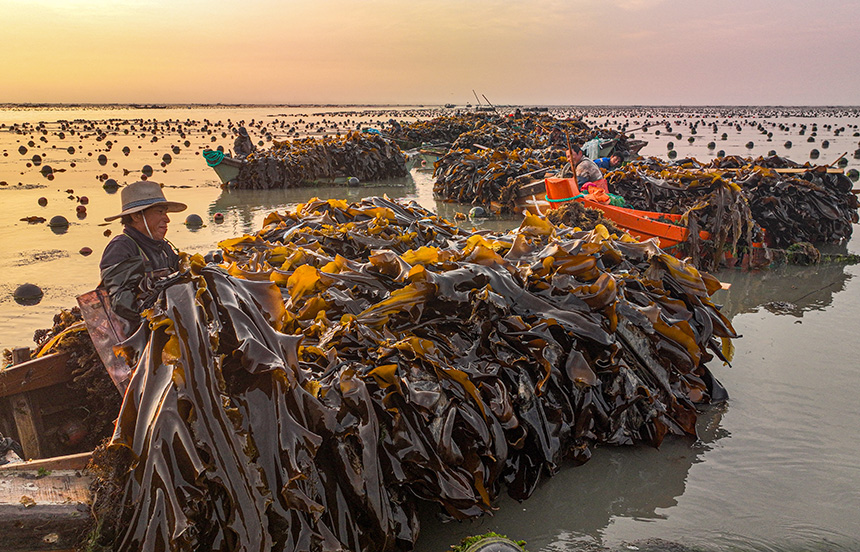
(349, 360)
(305, 161)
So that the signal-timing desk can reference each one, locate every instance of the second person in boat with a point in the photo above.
(588, 174)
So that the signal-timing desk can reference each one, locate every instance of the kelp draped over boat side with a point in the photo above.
(350, 359)
(734, 198)
(296, 163)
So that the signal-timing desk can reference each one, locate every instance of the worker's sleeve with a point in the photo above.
(122, 282)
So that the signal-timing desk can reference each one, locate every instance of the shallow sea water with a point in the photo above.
(775, 469)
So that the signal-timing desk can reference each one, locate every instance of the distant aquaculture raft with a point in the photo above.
(351, 359)
(313, 161)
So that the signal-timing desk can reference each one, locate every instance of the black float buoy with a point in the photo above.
(28, 294)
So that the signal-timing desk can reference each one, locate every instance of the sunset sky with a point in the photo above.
(559, 52)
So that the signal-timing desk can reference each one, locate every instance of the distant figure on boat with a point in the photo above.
(134, 260)
(608, 163)
(242, 146)
(557, 137)
(587, 173)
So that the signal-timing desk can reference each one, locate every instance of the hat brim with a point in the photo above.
(172, 207)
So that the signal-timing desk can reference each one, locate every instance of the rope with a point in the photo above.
(565, 199)
(213, 157)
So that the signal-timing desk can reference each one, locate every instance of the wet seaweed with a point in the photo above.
(303, 162)
(349, 360)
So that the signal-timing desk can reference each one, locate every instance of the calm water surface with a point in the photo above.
(776, 468)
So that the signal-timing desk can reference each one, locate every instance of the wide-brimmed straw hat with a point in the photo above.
(138, 196)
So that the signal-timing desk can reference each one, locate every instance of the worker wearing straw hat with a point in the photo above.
(135, 259)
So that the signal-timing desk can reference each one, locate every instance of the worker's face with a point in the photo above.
(155, 218)
(614, 160)
(575, 156)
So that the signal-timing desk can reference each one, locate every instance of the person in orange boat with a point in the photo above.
(588, 175)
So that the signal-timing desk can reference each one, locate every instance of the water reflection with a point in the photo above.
(790, 290)
(578, 504)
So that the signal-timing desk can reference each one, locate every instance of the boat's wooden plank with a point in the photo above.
(43, 513)
(35, 374)
(28, 423)
(69, 462)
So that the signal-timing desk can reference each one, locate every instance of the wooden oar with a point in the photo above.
(838, 159)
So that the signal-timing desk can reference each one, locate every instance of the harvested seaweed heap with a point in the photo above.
(491, 177)
(353, 359)
(814, 206)
(301, 162)
(731, 197)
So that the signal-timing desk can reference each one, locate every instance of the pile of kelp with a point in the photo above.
(473, 131)
(350, 360)
(485, 164)
(492, 177)
(731, 197)
(309, 161)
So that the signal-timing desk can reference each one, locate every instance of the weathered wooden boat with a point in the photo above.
(44, 501)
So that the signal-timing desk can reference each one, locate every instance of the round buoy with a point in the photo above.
(721, 153)
(146, 170)
(81, 209)
(58, 221)
(22, 150)
(37, 160)
(72, 433)
(46, 170)
(712, 145)
(175, 150)
(126, 150)
(83, 200)
(477, 212)
(853, 174)
(193, 221)
(218, 217)
(28, 294)
(771, 153)
(788, 144)
(672, 154)
(670, 145)
(724, 136)
(110, 185)
(352, 181)
(102, 159)
(814, 154)
(166, 158)
(750, 145)
(85, 251)
(825, 144)
(43, 201)
(842, 163)
(71, 150)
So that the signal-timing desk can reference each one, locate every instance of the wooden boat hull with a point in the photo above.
(228, 169)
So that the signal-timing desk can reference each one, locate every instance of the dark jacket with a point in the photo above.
(243, 147)
(131, 262)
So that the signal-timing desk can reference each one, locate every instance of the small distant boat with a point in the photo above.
(226, 167)
(450, 106)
